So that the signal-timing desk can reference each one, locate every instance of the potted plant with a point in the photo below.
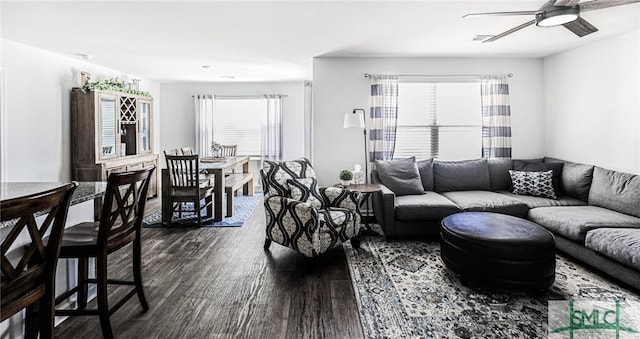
(346, 176)
(216, 149)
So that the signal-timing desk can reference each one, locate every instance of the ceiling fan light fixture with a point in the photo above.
(557, 17)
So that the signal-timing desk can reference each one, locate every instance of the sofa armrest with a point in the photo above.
(384, 207)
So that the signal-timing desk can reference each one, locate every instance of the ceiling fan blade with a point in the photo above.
(566, 3)
(599, 4)
(515, 29)
(500, 13)
(580, 27)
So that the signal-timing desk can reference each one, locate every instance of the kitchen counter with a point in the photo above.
(87, 190)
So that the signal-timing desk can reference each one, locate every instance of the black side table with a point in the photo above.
(366, 190)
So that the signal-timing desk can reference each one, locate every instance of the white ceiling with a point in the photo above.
(170, 41)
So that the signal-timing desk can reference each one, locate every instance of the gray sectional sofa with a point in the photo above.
(595, 218)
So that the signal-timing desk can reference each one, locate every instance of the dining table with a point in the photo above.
(216, 167)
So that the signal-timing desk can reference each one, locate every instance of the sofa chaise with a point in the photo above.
(594, 213)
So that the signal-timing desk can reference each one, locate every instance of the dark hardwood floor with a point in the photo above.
(219, 283)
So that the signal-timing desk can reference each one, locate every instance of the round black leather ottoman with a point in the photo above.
(498, 249)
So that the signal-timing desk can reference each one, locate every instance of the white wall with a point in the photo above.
(340, 86)
(592, 96)
(38, 91)
(177, 123)
(37, 130)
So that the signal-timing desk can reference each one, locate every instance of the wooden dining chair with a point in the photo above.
(120, 224)
(172, 151)
(28, 273)
(187, 185)
(187, 151)
(229, 150)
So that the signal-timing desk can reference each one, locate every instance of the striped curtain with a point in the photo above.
(496, 117)
(384, 116)
(204, 106)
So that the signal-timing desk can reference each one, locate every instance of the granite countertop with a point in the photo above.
(87, 190)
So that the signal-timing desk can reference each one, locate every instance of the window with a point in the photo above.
(239, 122)
(439, 120)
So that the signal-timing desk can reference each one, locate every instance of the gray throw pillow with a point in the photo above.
(400, 176)
(576, 178)
(528, 166)
(425, 168)
(466, 175)
(499, 173)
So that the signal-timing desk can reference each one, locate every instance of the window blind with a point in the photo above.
(439, 120)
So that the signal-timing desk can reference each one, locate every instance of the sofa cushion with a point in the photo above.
(533, 202)
(463, 175)
(574, 222)
(400, 176)
(333, 219)
(619, 244)
(425, 168)
(499, 173)
(537, 184)
(428, 206)
(615, 190)
(487, 201)
(576, 178)
(523, 165)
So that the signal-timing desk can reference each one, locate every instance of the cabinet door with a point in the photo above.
(144, 126)
(134, 167)
(153, 182)
(118, 169)
(107, 126)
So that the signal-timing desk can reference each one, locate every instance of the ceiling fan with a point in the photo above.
(558, 12)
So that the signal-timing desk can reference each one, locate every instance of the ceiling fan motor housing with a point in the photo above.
(550, 15)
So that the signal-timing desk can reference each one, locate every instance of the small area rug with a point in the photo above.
(404, 290)
(242, 208)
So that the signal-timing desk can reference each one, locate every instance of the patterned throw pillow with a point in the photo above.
(538, 184)
(306, 189)
(276, 173)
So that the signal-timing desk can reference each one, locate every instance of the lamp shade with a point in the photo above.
(354, 119)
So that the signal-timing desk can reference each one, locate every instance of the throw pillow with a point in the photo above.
(537, 184)
(425, 168)
(400, 176)
(306, 190)
(499, 173)
(276, 173)
(464, 175)
(576, 178)
(527, 166)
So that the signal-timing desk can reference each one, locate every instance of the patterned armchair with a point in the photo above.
(306, 218)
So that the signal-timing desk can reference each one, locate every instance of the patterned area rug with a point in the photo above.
(242, 208)
(405, 291)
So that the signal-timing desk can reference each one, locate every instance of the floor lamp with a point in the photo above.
(355, 119)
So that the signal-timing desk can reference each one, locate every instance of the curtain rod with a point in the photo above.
(367, 75)
(260, 96)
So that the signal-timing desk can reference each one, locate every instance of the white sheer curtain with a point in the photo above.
(271, 145)
(204, 106)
